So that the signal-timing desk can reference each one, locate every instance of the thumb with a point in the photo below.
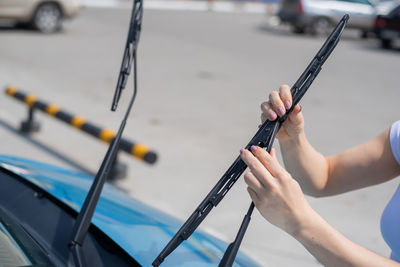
(296, 117)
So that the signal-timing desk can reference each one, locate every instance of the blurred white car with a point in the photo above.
(44, 15)
(318, 16)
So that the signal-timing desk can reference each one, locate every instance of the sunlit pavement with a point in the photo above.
(201, 77)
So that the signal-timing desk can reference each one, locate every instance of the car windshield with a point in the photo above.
(395, 13)
(11, 253)
(17, 248)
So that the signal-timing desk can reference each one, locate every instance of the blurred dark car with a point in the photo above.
(387, 26)
(43, 15)
(319, 16)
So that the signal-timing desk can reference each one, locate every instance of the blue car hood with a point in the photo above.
(142, 231)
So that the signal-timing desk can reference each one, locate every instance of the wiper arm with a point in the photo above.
(84, 218)
(263, 138)
(135, 27)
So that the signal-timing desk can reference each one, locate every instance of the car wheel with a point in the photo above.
(321, 26)
(364, 34)
(47, 18)
(386, 43)
(297, 29)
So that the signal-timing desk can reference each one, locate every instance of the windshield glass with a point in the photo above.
(10, 252)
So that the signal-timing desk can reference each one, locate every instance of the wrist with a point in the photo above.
(307, 225)
(301, 219)
(296, 140)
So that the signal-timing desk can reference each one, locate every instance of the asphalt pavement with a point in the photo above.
(201, 77)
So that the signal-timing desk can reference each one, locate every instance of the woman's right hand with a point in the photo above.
(276, 106)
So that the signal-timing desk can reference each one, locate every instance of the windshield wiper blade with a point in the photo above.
(263, 138)
(85, 215)
(135, 26)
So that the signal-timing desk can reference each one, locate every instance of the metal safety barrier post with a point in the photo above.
(137, 150)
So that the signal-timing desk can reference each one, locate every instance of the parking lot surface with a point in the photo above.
(201, 77)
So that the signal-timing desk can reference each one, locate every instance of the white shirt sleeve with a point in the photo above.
(395, 140)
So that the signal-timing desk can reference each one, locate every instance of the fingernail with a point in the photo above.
(253, 148)
(287, 104)
(241, 150)
(271, 116)
(281, 111)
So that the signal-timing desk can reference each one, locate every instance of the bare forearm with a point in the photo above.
(308, 166)
(364, 165)
(331, 248)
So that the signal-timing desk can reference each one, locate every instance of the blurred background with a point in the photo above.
(204, 67)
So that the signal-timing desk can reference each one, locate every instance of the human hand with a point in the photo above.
(277, 105)
(276, 195)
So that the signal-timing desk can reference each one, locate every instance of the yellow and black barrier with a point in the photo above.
(137, 150)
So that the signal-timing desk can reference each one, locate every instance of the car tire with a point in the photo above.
(298, 29)
(47, 18)
(364, 34)
(386, 43)
(321, 26)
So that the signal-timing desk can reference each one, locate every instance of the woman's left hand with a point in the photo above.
(274, 192)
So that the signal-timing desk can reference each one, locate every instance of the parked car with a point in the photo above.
(38, 207)
(319, 16)
(43, 15)
(387, 26)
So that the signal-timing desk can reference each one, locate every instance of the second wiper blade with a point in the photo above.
(263, 138)
(135, 26)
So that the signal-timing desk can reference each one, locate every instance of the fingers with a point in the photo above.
(254, 185)
(278, 103)
(273, 153)
(253, 182)
(263, 117)
(286, 96)
(254, 196)
(296, 117)
(258, 171)
(269, 161)
(268, 112)
(281, 101)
